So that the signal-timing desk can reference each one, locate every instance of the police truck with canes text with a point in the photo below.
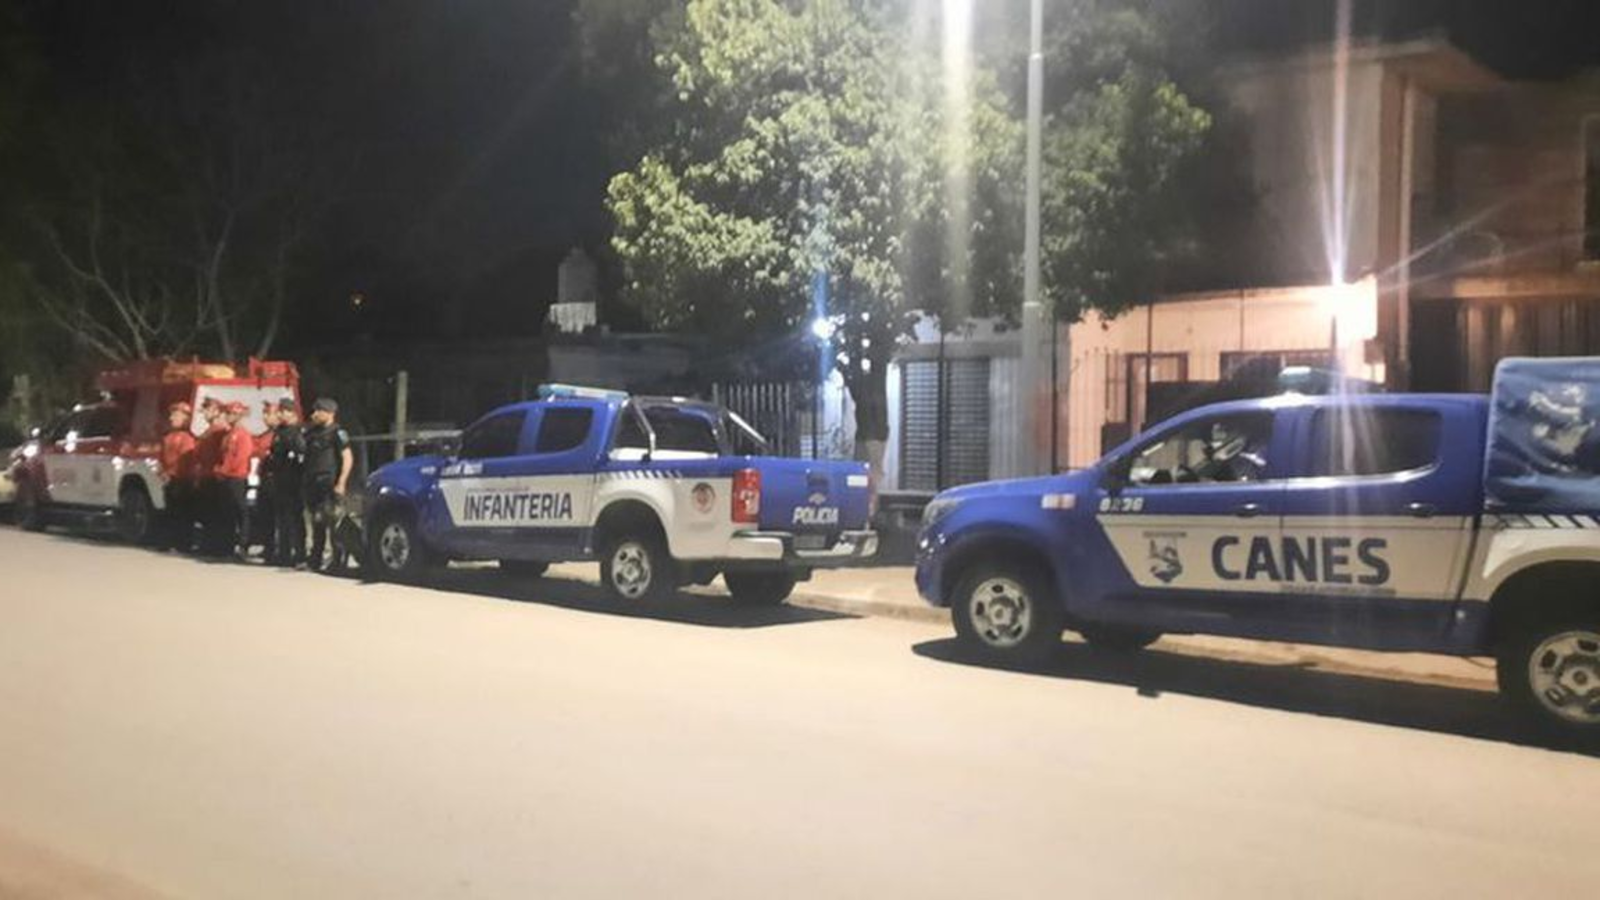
(1458, 524)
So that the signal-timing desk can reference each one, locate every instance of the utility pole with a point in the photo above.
(402, 400)
(1033, 311)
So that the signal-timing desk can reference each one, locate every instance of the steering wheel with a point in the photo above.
(1229, 450)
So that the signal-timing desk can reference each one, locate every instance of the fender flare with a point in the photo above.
(1006, 538)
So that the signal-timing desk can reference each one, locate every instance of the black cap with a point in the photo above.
(325, 404)
(287, 404)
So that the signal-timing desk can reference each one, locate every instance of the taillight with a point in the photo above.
(747, 496)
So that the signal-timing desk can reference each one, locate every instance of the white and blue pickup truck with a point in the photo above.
(1457, 524)
(662, 491)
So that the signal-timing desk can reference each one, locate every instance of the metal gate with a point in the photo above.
(944, 435)
(781, 411)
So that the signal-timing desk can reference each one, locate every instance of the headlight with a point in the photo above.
(936, 510)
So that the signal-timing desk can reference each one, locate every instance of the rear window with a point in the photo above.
(563, 428)
(676, 430)
(1355, 441)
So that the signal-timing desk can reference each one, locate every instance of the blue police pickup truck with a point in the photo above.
(662, 491)
(1458, 524)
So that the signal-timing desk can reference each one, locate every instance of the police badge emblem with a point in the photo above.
(1165, 564)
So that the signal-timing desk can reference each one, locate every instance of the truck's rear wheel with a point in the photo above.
(760, 588)
(1006, 610)
(1549, 672)
(396, 551)
(136, 516)
(30, 507)
(635, 566)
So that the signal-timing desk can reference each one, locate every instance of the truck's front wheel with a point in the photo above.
(760, 588)
(1549, 672)
(1006, 610)
(635, 566)
(395, 550)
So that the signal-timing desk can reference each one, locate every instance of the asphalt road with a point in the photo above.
(169, 727)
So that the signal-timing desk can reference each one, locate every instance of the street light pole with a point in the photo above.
(1033, 311)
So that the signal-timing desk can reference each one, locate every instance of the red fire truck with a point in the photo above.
(99, 464)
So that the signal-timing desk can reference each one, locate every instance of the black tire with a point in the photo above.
(136, 516)
(1118, 638)
(524, 568)
(395, 550)
(636, 567)
(1548, 669)
(1007, 610)
(29, 512)
(760, 588)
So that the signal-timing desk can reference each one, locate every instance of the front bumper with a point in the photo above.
(779, 547)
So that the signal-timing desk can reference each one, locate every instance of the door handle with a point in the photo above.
(1247, 510)
(1421, 510)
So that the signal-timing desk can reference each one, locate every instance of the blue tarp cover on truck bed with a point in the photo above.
(1544, 437)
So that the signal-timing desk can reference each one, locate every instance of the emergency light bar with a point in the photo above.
(575, 391)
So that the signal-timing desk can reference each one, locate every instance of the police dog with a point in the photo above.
(349, 542)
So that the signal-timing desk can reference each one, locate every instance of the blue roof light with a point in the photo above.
(575, 391)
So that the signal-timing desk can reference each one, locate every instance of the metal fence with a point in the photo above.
(782, 411)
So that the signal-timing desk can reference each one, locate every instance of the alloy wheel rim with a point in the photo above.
(1564, 672)
(1001, 613)
(394, 546)
(630, 570)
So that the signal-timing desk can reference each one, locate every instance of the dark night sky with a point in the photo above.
(479, 152)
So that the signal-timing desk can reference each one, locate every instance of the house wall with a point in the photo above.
(1511, 170)
(1201, 329)
(1302, 156)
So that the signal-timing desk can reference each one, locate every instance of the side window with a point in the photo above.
(564, 428)
(108, 421)
(95, 422)
(1221, 450)
(1351, 441)
(73, 427)
(493, 437)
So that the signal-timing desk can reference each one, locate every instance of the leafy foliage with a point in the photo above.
(814, 138)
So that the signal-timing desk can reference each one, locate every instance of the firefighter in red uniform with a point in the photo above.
(233, 476)
(178, 479)
(210, 506)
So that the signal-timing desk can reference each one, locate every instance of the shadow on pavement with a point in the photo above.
(715, 611)
(1290, 688)
(564, 593)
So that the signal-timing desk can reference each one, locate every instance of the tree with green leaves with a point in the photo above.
(817, 137)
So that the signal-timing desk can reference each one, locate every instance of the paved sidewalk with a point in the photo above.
(890, 591)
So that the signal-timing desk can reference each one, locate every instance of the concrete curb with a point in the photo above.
(1413, 668)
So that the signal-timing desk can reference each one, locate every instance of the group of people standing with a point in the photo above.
(301, 469)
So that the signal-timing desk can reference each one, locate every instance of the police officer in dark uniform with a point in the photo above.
(285, 468)
(327, 472)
